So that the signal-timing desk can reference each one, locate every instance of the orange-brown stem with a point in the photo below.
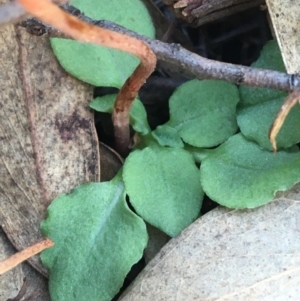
(14, 260)
(49, 13)
(286, 107)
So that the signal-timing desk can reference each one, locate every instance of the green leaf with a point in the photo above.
(203, 112)
(98, 65)
(104, 104)
(138, 115)
(255, 122)
(239, 174)
(163, 186)
(167, 136)
(199, 154)
(259, 106)
(97, 240)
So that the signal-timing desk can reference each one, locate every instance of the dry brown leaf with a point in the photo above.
(229, 255)
(48, 141)
(285, 19)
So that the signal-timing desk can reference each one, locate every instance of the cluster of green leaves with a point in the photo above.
(97, 237)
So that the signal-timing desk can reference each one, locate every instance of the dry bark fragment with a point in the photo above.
(199, 12)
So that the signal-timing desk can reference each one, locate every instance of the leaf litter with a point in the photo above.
(62, 125)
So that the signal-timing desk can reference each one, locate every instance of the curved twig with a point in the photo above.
(286, 107)
(49, 13)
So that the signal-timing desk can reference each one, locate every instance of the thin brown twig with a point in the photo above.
(51, 14)
(286, 107)
(197, 66)
(14, 260)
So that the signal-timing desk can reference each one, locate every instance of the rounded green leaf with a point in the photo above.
(163, 186)
(98, 65)
(239, 174)
(138, 115)
(259, 106)
(203, 112)
(97, 240)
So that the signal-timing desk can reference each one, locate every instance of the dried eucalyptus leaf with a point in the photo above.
(48, 140)
(229, 255)
(285, 19)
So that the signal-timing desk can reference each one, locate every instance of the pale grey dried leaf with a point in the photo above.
(229, 255)
(47, 135)
(285, 19)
